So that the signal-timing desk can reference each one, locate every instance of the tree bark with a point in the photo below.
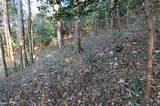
(5, 72)
(127, 23)
(111, 22)
(77, 45)
(118, 19)
(59, 35)
(96, 24)
(107, 19)
(149, 20)
(24, 62)
(111, 19)
(31, 48)
(8, 34)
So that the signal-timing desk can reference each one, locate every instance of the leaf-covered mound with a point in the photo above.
(109, 72)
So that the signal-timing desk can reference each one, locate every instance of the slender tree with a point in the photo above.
(5, 72)
(58, 25)
(77, 36)
(31, 48)
(8, 33)
(96, 23)
(127, 18)
(59, 35)
(111, 14)
(23, 54)
(107, 18)
(149, 20)
(77, 41)
(118, 19)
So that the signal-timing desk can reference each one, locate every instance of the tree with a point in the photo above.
(111, 15)
(5, 72)
(149, 20)
(23, 54)
(118, 19)
(8, 33)
(68, 11)
(77, 40)
(96, 24)
(107, 18)
(59, 35)
(31, 48)
(58, 24)
(78, 7)
(57, 8)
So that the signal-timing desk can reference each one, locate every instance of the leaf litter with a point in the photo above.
(100, 76)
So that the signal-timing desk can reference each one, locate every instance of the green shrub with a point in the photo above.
(89, 58)
(118, 34)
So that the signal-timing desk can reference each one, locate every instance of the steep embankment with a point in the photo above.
(109, 72)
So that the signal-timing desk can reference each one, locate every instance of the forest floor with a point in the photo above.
(110, 71)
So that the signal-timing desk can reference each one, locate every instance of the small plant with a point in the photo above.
(14, 69)
(89, 58)
(137, 88)
(118, 34)
(16, 44)
(144, 52)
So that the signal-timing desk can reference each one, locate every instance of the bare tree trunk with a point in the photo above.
(107, 19)
(127, 23)
(24, 62)
(5, 72)
(77, 45)
(59, 35)
(111, 22)
(30, 32)
(96, 24)
(8, 33)
(118, 19)
(149, 19)
(112, 17)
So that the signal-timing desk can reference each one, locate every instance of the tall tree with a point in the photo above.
(111, 14)
(58, 25)
(107, 18)
(77, 37)
(59, 35)
(23, 54)
(8, 33)
(149, 20)
(96, 23)
(2, 55)
(118, 19)
(31, 48)
(77, 41)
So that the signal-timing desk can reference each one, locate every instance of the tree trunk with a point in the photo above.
(8, 34)
(77, 45)
(3, 73)
(107, 19)
(24, 62)
(59, 35)
(118, 19)
(111, 17)
(127, 23)
(149, 19)
(31, 48)
(96, 24)
(111, 22)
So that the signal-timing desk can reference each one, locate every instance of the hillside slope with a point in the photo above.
(108, 72)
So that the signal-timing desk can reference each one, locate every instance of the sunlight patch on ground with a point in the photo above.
(49, 55)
